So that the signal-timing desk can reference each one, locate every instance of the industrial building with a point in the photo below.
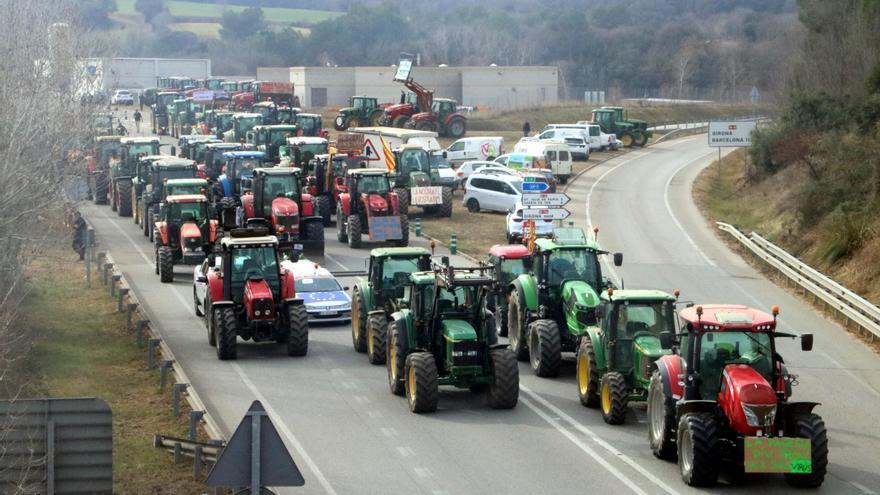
(138, 73)
(490, 87)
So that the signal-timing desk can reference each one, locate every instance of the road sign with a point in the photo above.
(545, 213)
(545, 199)
(731, 134)
(203, 96)
(535, 186)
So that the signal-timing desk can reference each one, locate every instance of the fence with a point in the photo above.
(854, 309)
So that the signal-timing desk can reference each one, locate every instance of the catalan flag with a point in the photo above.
(389, 156)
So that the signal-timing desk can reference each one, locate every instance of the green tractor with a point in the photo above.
(270, 138)
(375, 299)
(612, 120)
(443, 335)
(616, 357)
(362, 111)
(550, 308)
(140, 181)
(131, 150)
(242, 123)
(412, 169)
(159, 116)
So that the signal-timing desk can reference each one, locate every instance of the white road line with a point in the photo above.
(593, 436)
(862, 488)
(405, 451)
(851, 374)
(291, 438)
(389, 432)
(374, 414)
(423, 472)
(674, 218)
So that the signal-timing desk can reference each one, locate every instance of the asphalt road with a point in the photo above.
(348, 434)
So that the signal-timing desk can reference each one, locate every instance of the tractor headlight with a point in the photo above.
(257, 313)
(759, 415)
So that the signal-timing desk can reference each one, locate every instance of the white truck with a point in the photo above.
(557, 155)
(468, 149)
(394, 138)
(598, 140)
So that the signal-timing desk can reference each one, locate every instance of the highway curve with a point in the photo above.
(348, 434)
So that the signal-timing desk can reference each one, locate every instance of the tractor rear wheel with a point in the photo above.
(504, 393)
(341, 234)
(114, 196)
(627, 140)
(375, 118)
(355, 230)
(298, 330)
(404, 232)
(614, 396)
(811, 426)
(376, 326)
(640, 139)
(545, 347)
(402, 200)
(314, 230)
(325, 209)
(516, 324)
(400, 121)
(166, 264)
(456, 128)
(587, 373)
(698, 449)
(661, 419)
(101, 183)
(226, 333)
(445, 209)
(196, 304)
(426, 125)
(422, 386)
(396, 357)
(358, 322)
(501, 320)
(123, 192)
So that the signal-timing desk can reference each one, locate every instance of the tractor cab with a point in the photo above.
(606, 119)
(214, 157)
(362, 111)
(510, 262)
(310, 124)
(270, 138)
(187, 144)
(183, 187)
(238, 172)
(412, 166)
(242, 123)
(389, 271)
(169, 168)
(218, 121)
(273, 113)
(106, 147)
(144, 172)
(299, 151)
(131, 149)
(369, 205)
(632, 321)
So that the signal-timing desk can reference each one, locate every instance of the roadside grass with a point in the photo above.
(81, 350)
(272, 14)
(200, 29)
(476, 232)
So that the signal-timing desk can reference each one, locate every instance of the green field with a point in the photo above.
(212, 29)
(215, 11)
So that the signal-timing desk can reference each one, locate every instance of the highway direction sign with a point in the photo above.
(731, 134)
(535, 186)
(545, 213)
(545, 199)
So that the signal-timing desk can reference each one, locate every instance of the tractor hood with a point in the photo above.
(397, 107)
(189, 230)
(457, 331)
(579, 292)
(377, 203)
(649, 346)
(258, 297)
(747, 399)
(419, 179)
(284, 206)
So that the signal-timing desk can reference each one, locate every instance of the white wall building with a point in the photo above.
(139, 73)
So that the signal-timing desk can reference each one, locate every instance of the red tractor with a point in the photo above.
(370, 202)
(279, 92)
(329, 181)
(722, 399)
(398, 114)
(442, 118)
(184, 233)
(249, 295)
(277, 199)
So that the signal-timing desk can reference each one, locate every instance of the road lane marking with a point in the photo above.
(674, 218)
(405, 451)
(389, 432)
(423, 472)
(864, 489)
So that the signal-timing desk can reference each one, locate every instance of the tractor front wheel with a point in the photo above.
(297, 330)
(209, 326)
(341, 234)
(123, 193)
(101, 186)
(545, 347)
(166, 264)
(811, 426)
(314, 230)
(226, 333)
(396, 357)
(504, 393)
(516, 324)
(355, 231)
(376, 327)
(339, 123)
(661, 419)
(445, 209)
(426, 125)
(587, 373)
(614, 398)
(358, 323)
(325, 209)
(400, 121)
(698, 449)
(501, 319)
(404, 232)
(456, 128)
(627, 140)
(402, 200)
(422, 385)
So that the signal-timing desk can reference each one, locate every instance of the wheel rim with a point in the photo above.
(655, 414)
(411, 378)
(353, 122)
(456, 127)
(392, 360)
(583, 373)
(685, 452)
(370, 339)
(355, 322)
(606, 398)
(627, 140)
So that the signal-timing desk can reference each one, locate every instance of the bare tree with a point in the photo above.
(684, 65)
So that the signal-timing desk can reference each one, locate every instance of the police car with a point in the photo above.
(324, 298)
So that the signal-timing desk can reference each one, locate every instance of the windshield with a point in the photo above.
(142, 149)
(248, 123)
(510, 269)
(108, 149)
(164, 100)
(187, 212)
(256, 262)
(373, 183)
(187, 189)
(308, 124)
(573, 264)
(241, 165)
(358, 103)
(314, 149)
(718, 349)
(325, 284)
(415, 160)
(278, 186)
(176, 173)
(395, 271)
(279, 137)
(634, 317)
(437, 161)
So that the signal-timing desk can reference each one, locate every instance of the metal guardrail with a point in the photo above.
(854, 308)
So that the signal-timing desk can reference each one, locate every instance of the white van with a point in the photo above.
(599, 141)
(578, 142)
(475, 148)
(556, 153)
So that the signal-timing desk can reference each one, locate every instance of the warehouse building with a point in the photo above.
(490, 87)
(139, 73)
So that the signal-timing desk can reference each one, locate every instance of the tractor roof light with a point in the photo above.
(610, 291)
(775, 311)
(699, 311)
(676, 293)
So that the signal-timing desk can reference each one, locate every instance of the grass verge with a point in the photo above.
(82, 350)
(476, 232)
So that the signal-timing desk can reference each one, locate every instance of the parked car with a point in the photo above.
(200, 284)
(606, 141)
(492, 192)
(556, 154)
(122, 97)
(516, 230)
(576, 139)
(467, 168)
(445, 175)
(518, 161)
(325, 299)
(475, 148)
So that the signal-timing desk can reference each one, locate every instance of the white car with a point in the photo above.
(576, 140)
(516, 227)
(445, 175)
(200, 283)
(492, 192)
(478, 166)
(326, 301)
(122, 97)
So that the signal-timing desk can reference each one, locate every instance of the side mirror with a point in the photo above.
(202, 279)
(444, 154)
(346, 288)
(807, 342)
(618, 259)
(666, 340)
(600, 311)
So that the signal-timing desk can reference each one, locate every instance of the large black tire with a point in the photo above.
(147, 222)
(615, 398)
(811, 426)
(456, 128)
(661, 419)
(358, 321)
(402, 200)
(123, 192)
(404, 232)
(102, 183)
(501, 318)
(196, 309)
(422, 385)
(166, 264)
(698, 449)
(298, 330)
(545, 347)
(587, 373)
(209, 327)
(396, 357)
(341, 233)
(339, 123)
(516, 324)
(314, 230)
(504, 393)
(355, 230)
(426, 125)
(352, 122)
(156, 259)
(325, 209)
(376, 327)
(226, 333)
(640, 139)
(400, 121)
(445, 209)
(563, 179)
(114, 197)
(375, 118)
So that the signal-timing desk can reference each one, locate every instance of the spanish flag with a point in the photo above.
(389, 156)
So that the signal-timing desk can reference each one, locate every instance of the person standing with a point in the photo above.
(137, 120)
(527, 128)
(79, 235)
